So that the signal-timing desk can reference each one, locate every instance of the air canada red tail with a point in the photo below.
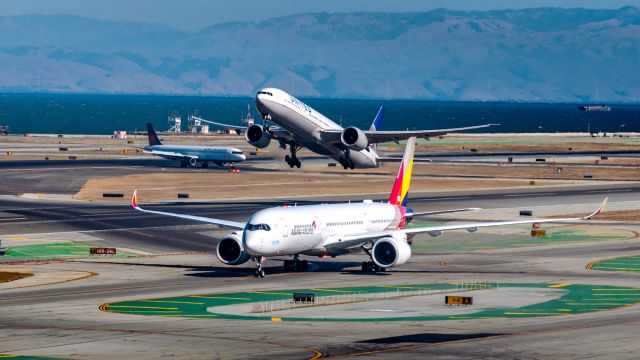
(403, 179)
(153, 137)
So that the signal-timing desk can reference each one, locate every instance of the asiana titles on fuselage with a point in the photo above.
(305, 229)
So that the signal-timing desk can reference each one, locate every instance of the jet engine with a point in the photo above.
(230, 250)
(193, 161)
(388, 252)
(256, 136)
(354, 138)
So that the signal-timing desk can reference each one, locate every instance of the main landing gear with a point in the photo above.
(259, 273)
(296, 265)
(293, 159)
(370, 266)
(345, 160)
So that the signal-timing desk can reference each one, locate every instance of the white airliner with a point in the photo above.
(377, 229)
(300, 126)
(192, 155)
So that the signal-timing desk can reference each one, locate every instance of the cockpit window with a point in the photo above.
(237, 152)
(254, 227)
(265, 93)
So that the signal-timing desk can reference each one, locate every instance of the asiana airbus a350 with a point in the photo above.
(376, 229)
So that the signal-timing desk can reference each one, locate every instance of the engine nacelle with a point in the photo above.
(388, 252)
(193, 161)
(354, 138)
(230, 250)
(256, 136)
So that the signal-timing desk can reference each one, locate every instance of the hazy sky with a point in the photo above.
(196, 14)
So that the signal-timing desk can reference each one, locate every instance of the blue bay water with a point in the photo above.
(103, 114)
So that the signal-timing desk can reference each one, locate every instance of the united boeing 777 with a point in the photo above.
(299, 125)
(377, 229)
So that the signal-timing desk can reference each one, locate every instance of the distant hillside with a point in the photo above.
(544, 54)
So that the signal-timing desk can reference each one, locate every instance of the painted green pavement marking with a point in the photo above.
(55, 250)
(627, 263)
(571, 299)
(513, 237)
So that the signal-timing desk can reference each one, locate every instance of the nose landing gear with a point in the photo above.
(259, 273)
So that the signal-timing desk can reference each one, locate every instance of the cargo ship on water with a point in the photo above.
(594, 108)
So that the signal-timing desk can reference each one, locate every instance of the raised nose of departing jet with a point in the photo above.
(263, 97)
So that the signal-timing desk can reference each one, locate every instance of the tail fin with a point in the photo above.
(153, 137)
(377, 124)
(403, 180)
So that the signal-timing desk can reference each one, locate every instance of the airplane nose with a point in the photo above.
(251, 244)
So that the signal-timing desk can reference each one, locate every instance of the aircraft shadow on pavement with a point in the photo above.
(428, 338)
(271, 268)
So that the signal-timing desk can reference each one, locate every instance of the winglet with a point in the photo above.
(403, 179)
(598, 211)
(134, 200)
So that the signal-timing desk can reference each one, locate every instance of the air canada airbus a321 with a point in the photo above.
(299, 125)
(377, 229)
(192, 155)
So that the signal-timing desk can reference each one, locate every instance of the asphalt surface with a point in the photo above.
(64, 320)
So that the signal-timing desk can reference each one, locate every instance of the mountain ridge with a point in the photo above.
(540, 54)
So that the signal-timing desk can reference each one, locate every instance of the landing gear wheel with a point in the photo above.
(296, 265)
(259, 273)
(292, 160)
(302, 266)
(371, 267)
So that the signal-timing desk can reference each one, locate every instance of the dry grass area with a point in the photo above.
(208, 185)
(511, 171)
(547, 171)
(527, 147)
(11, 276)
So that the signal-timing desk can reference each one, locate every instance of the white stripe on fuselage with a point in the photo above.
(312, 227)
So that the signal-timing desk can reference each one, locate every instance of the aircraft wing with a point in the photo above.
(351, 241)
(170, 154)
(375, 137)
(438, 212)
(219, 222)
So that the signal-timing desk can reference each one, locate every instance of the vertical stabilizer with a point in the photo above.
(377, 122)
(403, 180)
(153, 137)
